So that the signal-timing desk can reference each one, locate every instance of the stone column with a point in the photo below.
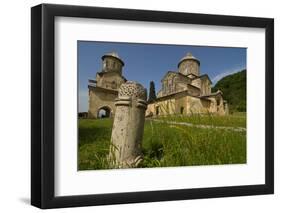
(128, 126)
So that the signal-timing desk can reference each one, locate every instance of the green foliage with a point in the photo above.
(234, 90)
(94, 140)
(169, 145)
(152, 94)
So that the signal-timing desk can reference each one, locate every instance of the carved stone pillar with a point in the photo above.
(128, 125)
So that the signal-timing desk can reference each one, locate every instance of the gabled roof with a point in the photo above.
(172, 72)
(183, 93)
(191, 74)
(168, 73)
(206, 76)
(219, 92)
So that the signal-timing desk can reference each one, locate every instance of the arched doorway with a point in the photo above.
(104, 112)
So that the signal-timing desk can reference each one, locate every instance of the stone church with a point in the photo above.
(184, 91)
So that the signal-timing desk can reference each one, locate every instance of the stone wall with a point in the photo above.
(196, 105)
(109, 80)
(205, 87)
(186, 105)
(189, 67)
(99, 98)
(196, 82)
(192, 90)
(172, 83)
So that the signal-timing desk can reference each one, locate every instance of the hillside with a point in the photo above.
(234, 90)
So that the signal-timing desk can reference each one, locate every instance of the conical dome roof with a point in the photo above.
(188, 56)
(114, 55)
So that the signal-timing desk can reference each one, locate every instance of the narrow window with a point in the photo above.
(182, 109)
(157, 110)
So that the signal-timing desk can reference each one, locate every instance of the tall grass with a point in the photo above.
(208, 119)
(93, 145)
(175, 145)
(166, 145)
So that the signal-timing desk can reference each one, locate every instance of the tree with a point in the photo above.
(152, 95)
(234, 90)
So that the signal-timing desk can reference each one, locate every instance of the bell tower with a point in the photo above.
(111, 62)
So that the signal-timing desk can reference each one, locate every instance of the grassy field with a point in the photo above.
(166, 145)
(234, 120)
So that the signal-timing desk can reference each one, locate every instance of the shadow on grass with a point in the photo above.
(93, 131)
(92, 135)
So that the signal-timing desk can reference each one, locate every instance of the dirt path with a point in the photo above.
(238, 129)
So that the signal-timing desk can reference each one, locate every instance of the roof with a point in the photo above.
(188, 56)
(206, 76)
(167, 73)
(219, 92)
(184, 93)
(174, 72)
(191, 74)
(113, 55)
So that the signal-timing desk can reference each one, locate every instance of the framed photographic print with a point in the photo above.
(139, 106)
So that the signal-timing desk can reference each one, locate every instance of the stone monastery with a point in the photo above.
(184, 91)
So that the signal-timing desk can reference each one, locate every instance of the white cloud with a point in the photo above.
(224, 73)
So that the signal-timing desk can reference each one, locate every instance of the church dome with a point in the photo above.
(113, 55)
(189, 56)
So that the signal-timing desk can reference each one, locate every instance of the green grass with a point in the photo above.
(166, 145)
(213, 120)
(94, 141)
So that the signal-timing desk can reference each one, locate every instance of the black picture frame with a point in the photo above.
(43, 105)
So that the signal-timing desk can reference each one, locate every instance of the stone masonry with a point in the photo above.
(184, 91)
(128, 126)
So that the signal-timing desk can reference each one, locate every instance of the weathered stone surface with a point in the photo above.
(189, 65)
(100, 99)
(187, 92)
(226, 109)
(128, 126)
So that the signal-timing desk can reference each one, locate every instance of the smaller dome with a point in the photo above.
(188, 56)
(114, 55)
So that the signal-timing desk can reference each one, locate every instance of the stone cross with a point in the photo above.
(128, 126)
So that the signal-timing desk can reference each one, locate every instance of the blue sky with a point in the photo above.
(150, 62)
